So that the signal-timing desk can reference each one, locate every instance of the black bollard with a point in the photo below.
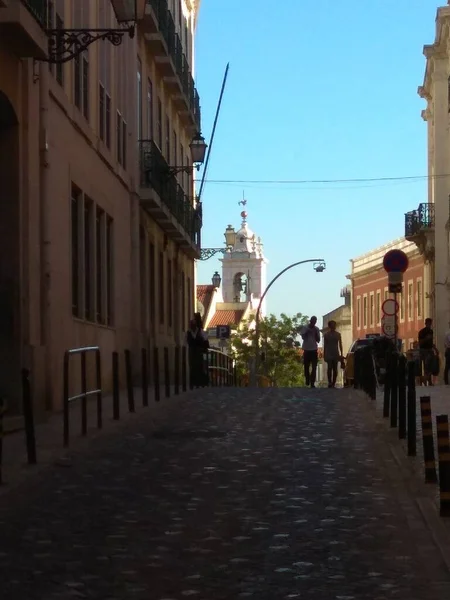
(177, 370)
(443, 444)
(28, 416)
(394, 389)
(412, 410)
(387, 386)
(402, 397)
(115, 383)
(129, 379)
(156, 381)
(183, 368)
(428, 442)
(144, 376)
(166, 372)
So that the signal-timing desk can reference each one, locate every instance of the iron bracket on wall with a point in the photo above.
(207, 253)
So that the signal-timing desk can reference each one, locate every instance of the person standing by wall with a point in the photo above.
(311, 339)
(426, 347)
(332, 352)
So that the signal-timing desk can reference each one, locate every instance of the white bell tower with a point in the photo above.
(244, 266)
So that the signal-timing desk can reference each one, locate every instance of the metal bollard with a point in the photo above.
(27, 403)
(387, 387)
(129, 378)
(177, 370)
(3, 409)
(412, 410)
(394, 389)
(402, 397)
(144, 376)
(166, 373)
(428, 442)
(115, 382)
(156, 381)
(183, 369)
(443, 444)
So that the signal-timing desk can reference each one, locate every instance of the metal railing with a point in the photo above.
(175, 49)
(155, 173)
(221, 368)
(39, 10)
(422, 218)
(85, 393)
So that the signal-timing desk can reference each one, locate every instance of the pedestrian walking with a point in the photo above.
(197, 347)
(426, 347)
(447, 356)
(332, 352)
(311, 339)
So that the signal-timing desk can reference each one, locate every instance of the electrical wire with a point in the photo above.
(326, 181)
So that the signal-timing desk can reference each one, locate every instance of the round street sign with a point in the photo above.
(395, 261)
(390, 307)
(388, 326)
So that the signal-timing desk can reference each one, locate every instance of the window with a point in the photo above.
(159, 134)
(386, 293)
(161, 288)
(56, 21)
(402, 303)
(151, 282)
(76, 203)
(419, 299)
(121, 139)
(183, 302)
(143, 277)
(372, 310)
(365, 310)
(378, 307)
(189, 300)
(149, 110)
(410, 301)
(358, 312)
(175, 150)
(139, 99)
(183, 175)
(104, 86)
(92, 242)
(168, 140)
(169, 292)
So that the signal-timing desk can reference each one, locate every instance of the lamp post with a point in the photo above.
(198, 148)
(216, 279)
(230, 240)
(319, 266)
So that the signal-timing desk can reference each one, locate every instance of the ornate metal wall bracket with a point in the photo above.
(66, 44)
(207, 253)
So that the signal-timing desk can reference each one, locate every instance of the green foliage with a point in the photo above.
(280, 360)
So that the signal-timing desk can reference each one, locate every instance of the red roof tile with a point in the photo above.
(204, 295)
(226, 317)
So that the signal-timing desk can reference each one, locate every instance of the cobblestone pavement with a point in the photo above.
(265, 494)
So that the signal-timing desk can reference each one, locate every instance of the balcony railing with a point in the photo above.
(39, 10)
(417, 221)
(172, 40)
(155, 173)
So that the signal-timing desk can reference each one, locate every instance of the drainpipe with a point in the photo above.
(44, 229)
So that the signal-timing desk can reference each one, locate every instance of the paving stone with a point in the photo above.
(239, 494)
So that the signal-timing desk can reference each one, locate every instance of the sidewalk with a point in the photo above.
(49, 434)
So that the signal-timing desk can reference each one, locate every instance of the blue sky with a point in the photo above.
(317, 90)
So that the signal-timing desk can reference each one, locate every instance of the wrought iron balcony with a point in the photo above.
(23, 23)
(39, 10)
(419, 221)
(166, 27)
(165, 200)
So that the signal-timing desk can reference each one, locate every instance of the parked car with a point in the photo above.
(350, 359)
(380, 344)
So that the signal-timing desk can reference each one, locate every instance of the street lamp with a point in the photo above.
(66, 44)
(198, 148)
(216, 279)
(230, 240)
(319, 266)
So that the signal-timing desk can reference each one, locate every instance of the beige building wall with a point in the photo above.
(86, 258)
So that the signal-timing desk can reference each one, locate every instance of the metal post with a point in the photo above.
(387, 386)
(2, 413)
(428, 442)
(183, 368)
(402, 397)
(166, 373)
(394, 389)
(412, 410)
(27, 403)
(129, 378)
(84, 396)
(115, 382)
(177, 370)
(66, 400)
(98, 377)
(144, 376)
(156, 381)
(443, 444)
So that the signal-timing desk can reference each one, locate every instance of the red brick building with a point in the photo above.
(369, 288)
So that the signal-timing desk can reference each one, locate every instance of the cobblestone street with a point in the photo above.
(265, 494)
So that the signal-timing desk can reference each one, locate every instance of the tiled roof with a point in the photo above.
(226, 317)
(204, 295)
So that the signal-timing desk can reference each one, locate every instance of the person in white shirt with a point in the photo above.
(447, 356)
(311, 339)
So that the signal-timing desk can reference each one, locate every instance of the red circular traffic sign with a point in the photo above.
(390, 307)
(395, 261)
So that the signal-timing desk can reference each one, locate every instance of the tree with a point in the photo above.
(280, 358)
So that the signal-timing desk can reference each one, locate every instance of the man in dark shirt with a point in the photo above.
(426, 346)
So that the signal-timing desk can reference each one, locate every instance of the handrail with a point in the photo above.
(85, 393)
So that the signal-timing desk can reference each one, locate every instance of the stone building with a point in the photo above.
(99, 227)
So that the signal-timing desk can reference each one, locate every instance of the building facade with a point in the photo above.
(99, 232)
(369, 288)
(428, 226)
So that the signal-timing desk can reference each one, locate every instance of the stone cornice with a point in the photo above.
(439, 49)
